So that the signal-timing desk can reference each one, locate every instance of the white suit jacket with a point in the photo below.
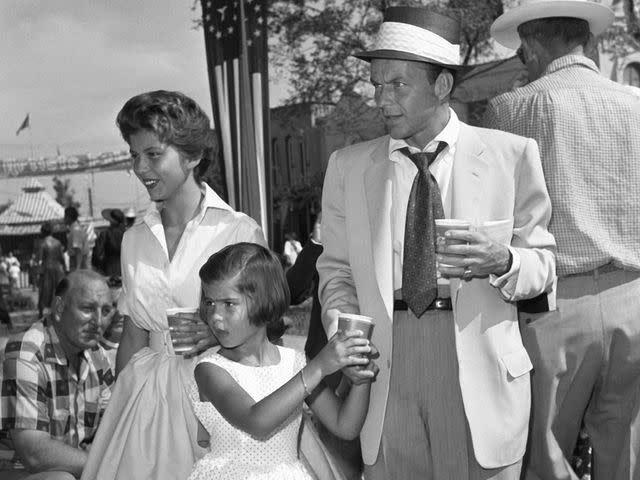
(496, 176)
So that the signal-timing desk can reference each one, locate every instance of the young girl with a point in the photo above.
(249, 393)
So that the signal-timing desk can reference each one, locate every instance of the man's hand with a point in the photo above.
(465, 254)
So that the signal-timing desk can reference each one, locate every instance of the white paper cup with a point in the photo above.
(352, 321)
(443, 225)
(183, 323)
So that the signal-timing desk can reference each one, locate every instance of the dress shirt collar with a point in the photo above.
(569, 61)
(211, 200)
(448, 134)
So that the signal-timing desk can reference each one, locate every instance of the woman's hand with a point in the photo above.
(192, 339)
(344, 349)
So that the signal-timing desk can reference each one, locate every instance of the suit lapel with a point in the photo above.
(469, 172)
(378, 182)
(468, 177)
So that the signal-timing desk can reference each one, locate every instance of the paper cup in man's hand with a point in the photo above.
(352, 321)
(443, 225)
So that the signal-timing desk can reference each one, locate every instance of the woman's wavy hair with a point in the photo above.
(176, 119)
(257, 273)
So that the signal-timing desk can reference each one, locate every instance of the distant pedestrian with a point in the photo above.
(80, 240)
(51, 267)
(33, 271)
(106, 252)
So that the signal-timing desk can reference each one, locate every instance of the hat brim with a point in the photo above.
(107, 214)
(505, 28)
(399, 55)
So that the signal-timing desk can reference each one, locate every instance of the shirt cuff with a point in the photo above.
(507, 283)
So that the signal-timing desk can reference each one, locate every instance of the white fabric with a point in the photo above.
(505, 28)
(236, 455)
(147, 272)
(291, 250)
(418, 41)
(496, 177)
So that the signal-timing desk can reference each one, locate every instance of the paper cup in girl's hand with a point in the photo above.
(352, 321)
(184, 323)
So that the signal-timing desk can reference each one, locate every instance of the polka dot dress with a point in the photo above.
(234, 454)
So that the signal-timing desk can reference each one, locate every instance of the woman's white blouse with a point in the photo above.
(151, 283)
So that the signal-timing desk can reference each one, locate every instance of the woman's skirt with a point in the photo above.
(149, 430)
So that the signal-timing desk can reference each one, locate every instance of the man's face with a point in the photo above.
(406, 99)
(83, 315)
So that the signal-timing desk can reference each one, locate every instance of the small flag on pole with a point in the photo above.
(235, 33)
(23, 125)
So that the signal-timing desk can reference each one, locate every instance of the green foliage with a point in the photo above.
(314, 40)
(623, 38)
(64, 192)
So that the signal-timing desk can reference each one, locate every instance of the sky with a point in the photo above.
(71, 65)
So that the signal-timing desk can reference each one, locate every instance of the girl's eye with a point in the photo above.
(154, 155)
(209, 303)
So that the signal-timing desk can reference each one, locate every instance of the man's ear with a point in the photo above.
(57, 308)
(190, 163)
(443, 85)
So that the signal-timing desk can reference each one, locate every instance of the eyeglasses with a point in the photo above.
(520, 55)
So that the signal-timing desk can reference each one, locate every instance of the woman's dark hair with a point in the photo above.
(46, 229)
(258, 274)
(176, 119)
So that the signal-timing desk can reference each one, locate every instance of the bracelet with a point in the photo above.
(304, 385)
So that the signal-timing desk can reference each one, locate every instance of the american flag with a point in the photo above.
(236, 42)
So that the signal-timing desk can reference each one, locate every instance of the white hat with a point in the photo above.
(419, 35)
(505, 28)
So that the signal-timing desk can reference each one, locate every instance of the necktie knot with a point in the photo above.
(423, 160)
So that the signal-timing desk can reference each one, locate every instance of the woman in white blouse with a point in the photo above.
(149, 430)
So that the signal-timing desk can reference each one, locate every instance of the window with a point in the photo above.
(303, 170)
(288, 145)
(631, 75)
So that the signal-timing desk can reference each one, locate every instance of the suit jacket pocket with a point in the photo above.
(517, 363)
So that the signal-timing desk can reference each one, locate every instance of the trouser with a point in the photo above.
(586, 358)
(425, 433)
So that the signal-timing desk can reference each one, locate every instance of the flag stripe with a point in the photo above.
(236, 49)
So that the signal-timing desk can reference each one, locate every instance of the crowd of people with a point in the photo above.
(495, 339)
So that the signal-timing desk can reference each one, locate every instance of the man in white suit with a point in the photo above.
(452, 398)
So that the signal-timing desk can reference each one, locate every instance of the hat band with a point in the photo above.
(418, 41)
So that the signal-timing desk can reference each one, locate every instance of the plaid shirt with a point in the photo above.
(41, 392)
(588, 130)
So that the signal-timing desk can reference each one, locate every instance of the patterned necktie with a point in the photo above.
(419, 280)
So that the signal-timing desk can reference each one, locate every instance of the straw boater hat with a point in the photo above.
(505, 27)
(416, 34)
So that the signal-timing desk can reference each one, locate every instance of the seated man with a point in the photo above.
(56, 381)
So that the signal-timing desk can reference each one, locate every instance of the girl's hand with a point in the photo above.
(344, 349)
